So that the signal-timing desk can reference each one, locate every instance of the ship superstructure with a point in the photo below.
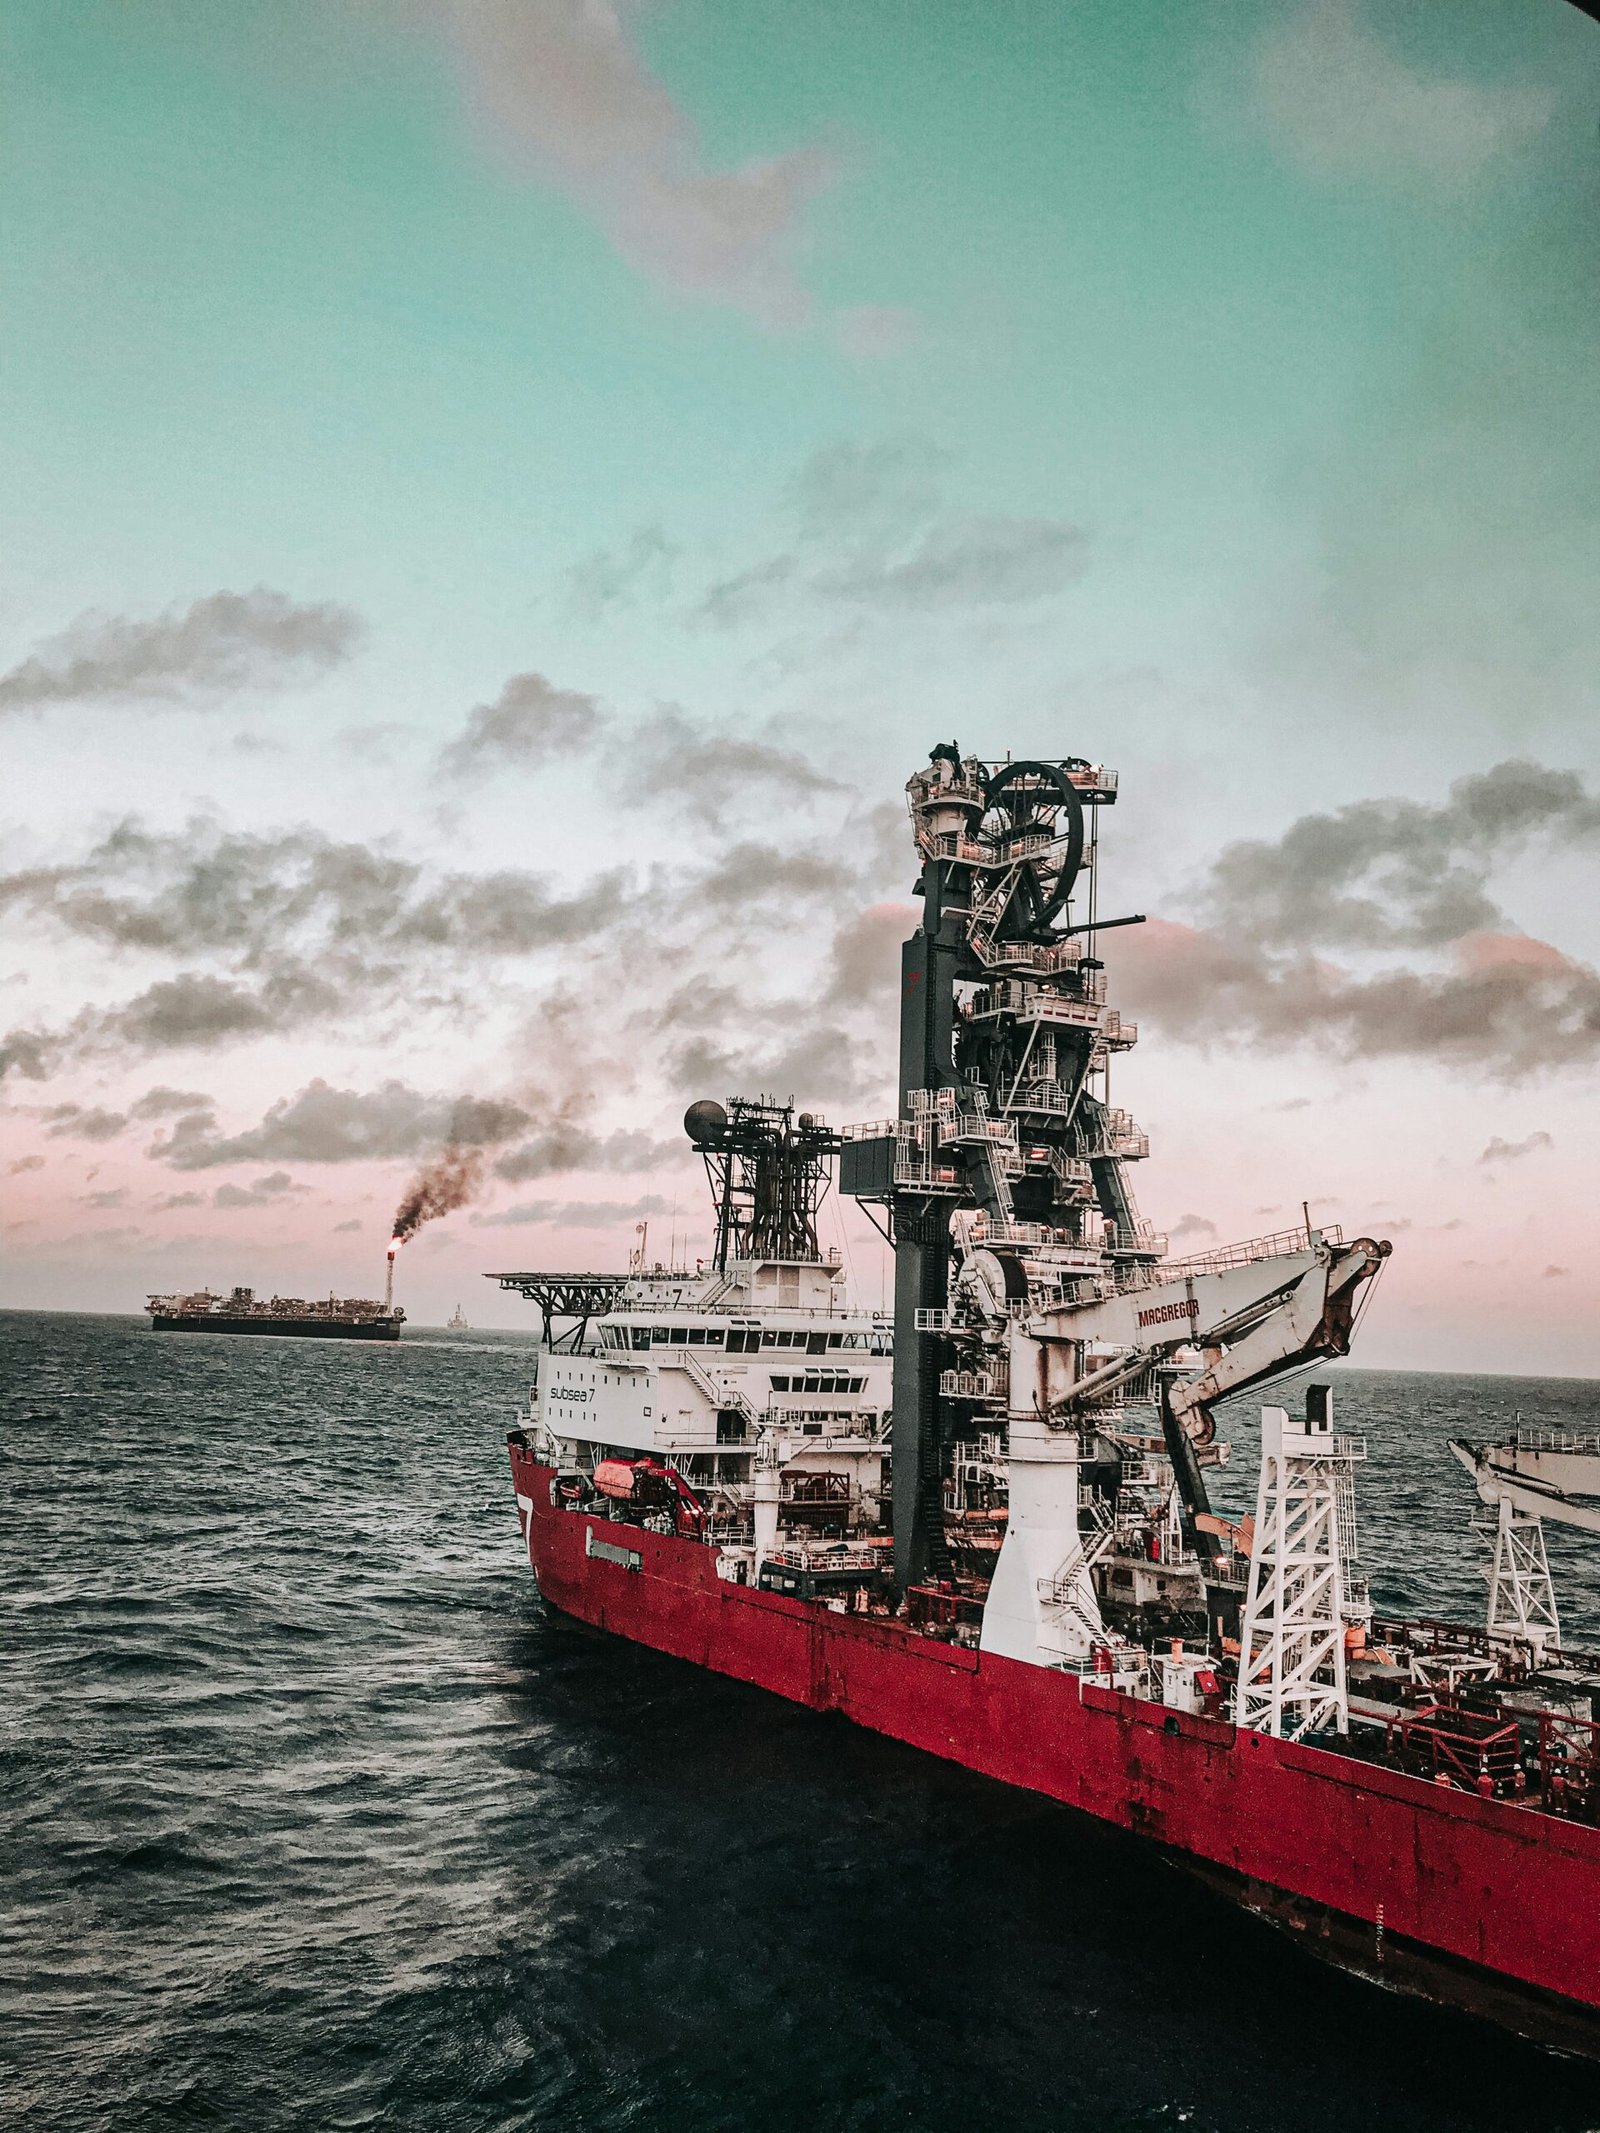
(986, 1528)
(751, 1380)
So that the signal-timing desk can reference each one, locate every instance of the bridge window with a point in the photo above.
(641, 1336)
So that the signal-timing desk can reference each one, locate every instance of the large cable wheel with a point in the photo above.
(1022, 806)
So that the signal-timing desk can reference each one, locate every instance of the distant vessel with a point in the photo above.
(457, 1324)
(347, 1318)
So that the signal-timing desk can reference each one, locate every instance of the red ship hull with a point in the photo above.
(1479, 1904)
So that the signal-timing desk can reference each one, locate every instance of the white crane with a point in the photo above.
(1525, 1479)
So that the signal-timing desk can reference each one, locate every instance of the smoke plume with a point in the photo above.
(452, 1180)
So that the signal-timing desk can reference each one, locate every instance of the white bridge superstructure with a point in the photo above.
(746, 1381)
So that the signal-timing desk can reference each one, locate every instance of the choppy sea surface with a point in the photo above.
(314, 1817)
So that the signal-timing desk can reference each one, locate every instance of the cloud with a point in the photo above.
(561, 85)
(31, 1053)
(1556, 1273)
(529, 723)
(878, 490)
(871, 534)
(746, 595)
(607, 580)
(171, 1200)
(343, 906)
(200, 1012)
(322, 1124)
(1192, 1226)
(345, 1229)
(313, 930)
(24, 1163)
(573, 1214)
(1504, 1005)
(114, 1196)
(568, 1147)
(1371, 879)
(1499, 1151)
(707, 770)
(74, 1122)
(1392, 873)
(224, 642)
(162, 1102)
(973, 562)
(1339, 102)
(261, 1194)
(864, 961)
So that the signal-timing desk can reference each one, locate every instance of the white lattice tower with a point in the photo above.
(1291, 1647)
(1522, 1600)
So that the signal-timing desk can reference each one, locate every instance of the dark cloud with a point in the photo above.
(529, 723)
(607, 580)
(1397, 873)
(1372, 879)
(345, 1229)
(322, 1124)
(871, 533)
(1556, 1273)
(312, 931)
(574, 1214)
(162, 1102)
(669, 756)
(224, 642)
(864, 964)
(171, 1200)
(24, 1163)
(74, 1122)
(751, 873)
(261, 1194)
(1499, 1151)
(563, 86)
(34, 1054)
(732, 1041)
(113, 1196)
(1192, 1226)
(511, 914)
(196, 1012)
(1504, 1006)
(567, 1147)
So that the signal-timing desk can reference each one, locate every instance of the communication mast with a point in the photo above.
(768, 1171)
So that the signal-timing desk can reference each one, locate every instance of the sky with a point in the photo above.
(498, 495)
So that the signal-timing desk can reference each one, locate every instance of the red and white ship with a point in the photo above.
(983, 1526)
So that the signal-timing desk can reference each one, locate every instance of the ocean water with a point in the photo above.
(314, 1817)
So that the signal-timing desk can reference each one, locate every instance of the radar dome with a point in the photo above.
(705, 1121)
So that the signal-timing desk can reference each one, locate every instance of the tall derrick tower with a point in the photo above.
(1004, 1175)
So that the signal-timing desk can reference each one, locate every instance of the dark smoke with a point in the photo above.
(452, 1180)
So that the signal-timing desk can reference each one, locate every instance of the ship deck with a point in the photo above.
(1487, 1903)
